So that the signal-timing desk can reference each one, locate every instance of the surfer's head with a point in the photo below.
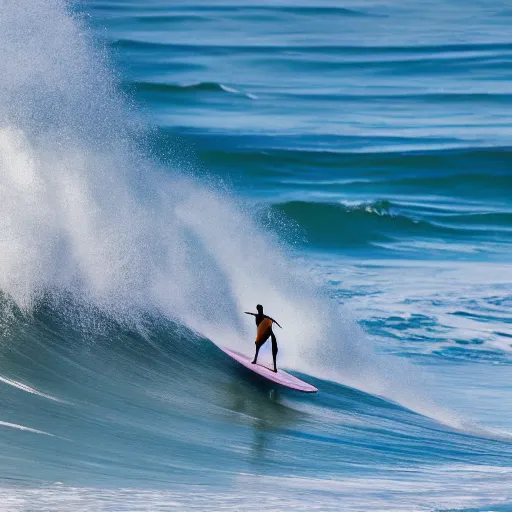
(259, 308)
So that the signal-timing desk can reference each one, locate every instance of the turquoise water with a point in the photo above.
(165, 166)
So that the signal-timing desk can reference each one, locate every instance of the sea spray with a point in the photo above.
(86, 213)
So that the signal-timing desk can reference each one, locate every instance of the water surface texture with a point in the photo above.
(165, 166)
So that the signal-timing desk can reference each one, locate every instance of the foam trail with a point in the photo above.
(85, 212)
(28, 389)
(26, 429)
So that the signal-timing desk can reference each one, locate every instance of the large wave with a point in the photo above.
(86, 214)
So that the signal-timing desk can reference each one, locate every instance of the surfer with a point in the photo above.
(264, 325)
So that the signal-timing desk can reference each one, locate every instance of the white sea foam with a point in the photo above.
(423, 489)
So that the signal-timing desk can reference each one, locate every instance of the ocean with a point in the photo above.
(166, 166)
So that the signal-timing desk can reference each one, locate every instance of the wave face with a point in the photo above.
(122, 420)
(165, 167)
(87, 215)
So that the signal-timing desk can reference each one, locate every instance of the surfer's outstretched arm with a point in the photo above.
(275, 321)
(249, 313)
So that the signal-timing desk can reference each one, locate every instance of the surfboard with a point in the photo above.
(281, 377)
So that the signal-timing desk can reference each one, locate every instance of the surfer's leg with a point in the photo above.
(274, 349)
(259, 344)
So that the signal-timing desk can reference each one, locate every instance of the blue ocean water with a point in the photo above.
(165, 166)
